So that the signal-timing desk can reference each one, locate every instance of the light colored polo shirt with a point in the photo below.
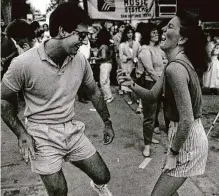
(49, 91)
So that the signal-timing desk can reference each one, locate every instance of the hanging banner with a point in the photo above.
(121, 9)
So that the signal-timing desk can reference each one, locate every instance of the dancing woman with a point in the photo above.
(184, 44)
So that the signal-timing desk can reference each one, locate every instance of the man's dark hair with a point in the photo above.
(120, 24)
(19, 28)
(67, 15)
(35, 25)
(140, 27)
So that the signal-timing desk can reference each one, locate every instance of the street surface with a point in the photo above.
(123, 156)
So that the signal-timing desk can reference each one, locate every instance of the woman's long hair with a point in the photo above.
(195, 46)
(124, 35)
(146, 33)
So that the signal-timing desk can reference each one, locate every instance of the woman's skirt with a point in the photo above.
(192, 157)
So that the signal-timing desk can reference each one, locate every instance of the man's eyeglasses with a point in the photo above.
(82, 35)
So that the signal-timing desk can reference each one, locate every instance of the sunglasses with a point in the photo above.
(81, 35)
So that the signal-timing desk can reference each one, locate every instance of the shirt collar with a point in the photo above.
(44, 56)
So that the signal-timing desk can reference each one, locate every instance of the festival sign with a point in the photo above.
(121, 9)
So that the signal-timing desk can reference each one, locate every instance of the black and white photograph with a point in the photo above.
(109, 98)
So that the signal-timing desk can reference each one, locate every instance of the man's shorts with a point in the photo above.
(56, 143)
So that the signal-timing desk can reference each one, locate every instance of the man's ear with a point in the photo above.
(61, 32)
(182, 40)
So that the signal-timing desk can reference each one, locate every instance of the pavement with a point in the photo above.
(123, 156)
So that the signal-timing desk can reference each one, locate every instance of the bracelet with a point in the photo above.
(175, 153)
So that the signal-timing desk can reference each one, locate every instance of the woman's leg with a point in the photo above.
(149, 113)
(156, 124)
(167, 185)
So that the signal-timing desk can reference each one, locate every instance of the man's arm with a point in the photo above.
(98, 102)
(9, 116)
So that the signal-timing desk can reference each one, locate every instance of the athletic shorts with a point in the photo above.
(56, 143)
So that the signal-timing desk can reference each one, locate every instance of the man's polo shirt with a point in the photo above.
(49, 91)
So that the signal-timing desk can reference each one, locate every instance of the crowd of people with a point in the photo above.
(18, 37)
(158, 65)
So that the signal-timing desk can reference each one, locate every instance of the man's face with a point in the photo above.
(74, 40)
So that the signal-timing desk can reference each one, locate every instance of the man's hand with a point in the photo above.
(26, 144)
(108, 134)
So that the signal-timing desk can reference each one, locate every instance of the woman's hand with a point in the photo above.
(124, 79)
(170, 162)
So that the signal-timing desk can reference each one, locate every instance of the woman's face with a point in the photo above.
(154, 36)
(216, 39)
(122, 28)
(130, 34)
(170, 34)
(138, 36)
(216, 50)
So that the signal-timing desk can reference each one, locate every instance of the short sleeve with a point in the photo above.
(88, 73)
(14, 77)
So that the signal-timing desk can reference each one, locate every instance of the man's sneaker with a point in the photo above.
(154, 141)
(120, 92)
(130, 102)
(139, 110)
(157, 130)
(146, 151)
(109, 100)
(102, 190)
